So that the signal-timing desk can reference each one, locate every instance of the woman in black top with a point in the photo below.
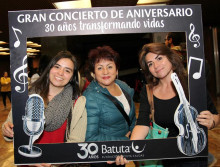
(159, 62)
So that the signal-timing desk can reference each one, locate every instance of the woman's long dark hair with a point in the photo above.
(41, 86)
(175, 60)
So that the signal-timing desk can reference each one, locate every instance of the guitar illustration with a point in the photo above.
(191, 139)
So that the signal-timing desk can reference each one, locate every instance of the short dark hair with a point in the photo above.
(99, 53)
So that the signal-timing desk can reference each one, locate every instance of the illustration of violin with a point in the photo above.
(191, 139)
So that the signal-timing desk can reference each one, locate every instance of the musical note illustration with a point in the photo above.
(196, 75)
(21, 76)
(194, 37)
(17, 43)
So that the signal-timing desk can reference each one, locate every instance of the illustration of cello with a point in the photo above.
(191, 139)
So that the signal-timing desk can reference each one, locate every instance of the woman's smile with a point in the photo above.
(59, 78)
(106, 77)
(158, 71)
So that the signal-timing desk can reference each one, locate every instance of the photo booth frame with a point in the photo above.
(108, 20)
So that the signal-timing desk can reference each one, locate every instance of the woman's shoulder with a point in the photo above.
(81, 99)
(124, 85)
(80, 103)
(91, 90)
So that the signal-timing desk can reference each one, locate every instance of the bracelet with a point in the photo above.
(213, 124)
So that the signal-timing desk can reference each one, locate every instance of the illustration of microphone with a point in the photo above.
(33, 125)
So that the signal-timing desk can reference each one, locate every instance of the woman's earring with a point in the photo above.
(92, 75)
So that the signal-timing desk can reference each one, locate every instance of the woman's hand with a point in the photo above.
(7, 129)
(120, 160)
(206, 118)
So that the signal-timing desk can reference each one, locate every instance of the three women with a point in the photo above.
(105, 121)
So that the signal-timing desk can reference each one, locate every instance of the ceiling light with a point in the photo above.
(4, 49)
(29, 42)
(2, 42)
(34, 45)
(4, 53)
(73, 4)
(152, 2)
(31, 53)
(32, 50)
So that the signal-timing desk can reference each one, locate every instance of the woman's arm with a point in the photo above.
(7, 128)
(139, 132)
(5, 81)
(77, 131)
(208, 119)
(141, 129)
(216, 119)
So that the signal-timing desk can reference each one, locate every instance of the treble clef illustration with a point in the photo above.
(17, 42)
(191, 139)
(21, 76)
(194, 37)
